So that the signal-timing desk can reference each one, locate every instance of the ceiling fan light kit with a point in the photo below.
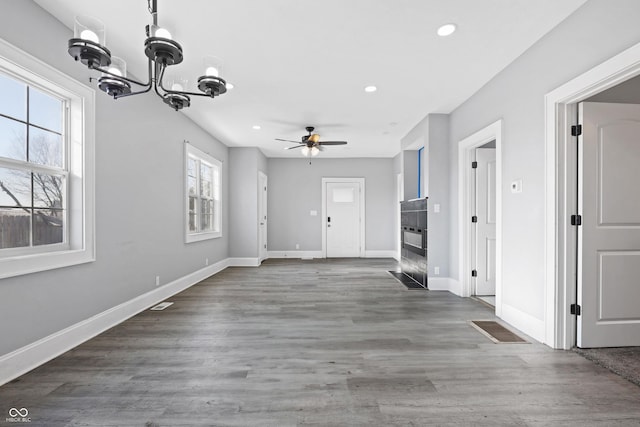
(310, 144)
(89, 47)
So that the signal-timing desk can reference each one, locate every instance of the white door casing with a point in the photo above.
(609, 237)
(262, 215)
(343, 217)
(485, 240)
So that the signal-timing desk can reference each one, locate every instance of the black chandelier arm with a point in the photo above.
(102, 70)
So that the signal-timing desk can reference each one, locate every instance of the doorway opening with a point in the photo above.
(490, 253)
(562, 201)
(343, 218)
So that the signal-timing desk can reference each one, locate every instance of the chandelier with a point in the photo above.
(88, 47)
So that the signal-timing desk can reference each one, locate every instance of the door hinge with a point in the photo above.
(575, 309)
(474, 219)
(576, 130)
(474, 273)
(576, 219)
(474, 165)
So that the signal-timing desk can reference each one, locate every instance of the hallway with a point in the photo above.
(322, 342)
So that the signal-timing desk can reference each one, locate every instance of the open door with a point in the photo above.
(262, 216)
(609, 234)
(485, 221)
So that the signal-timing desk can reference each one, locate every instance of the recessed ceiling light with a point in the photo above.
(256, 127)
(370, 89)
(446, 30)
(230, 86)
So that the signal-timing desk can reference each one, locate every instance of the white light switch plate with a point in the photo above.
(436, 208)
(313, 213)
(516, 186)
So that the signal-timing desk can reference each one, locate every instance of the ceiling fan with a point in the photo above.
(311, 144)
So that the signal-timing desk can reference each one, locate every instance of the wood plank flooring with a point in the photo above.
(323, 343)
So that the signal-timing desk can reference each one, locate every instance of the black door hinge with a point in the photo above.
(575, 309)
(474, 219)
(474, 273)
(576, 219)
(474, 165)
(576, 130)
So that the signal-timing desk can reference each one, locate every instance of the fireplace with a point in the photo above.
(413, 232)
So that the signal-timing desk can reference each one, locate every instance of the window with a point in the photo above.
(202, 195)
(46, 166)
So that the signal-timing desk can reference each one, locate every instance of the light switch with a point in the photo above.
(436, 208)
(516, 186)
(313, 213)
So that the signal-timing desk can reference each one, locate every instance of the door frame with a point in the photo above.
(263, 179)
(324, 211)
(561, 190)
(466, 151)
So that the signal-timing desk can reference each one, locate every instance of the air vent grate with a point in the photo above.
(161, 306)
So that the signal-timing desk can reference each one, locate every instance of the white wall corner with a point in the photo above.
(525, 322)
(26, 358)
(244, 262)
(445, 284)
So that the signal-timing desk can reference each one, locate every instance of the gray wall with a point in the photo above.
(244, 164)
(410, 174)
(595, 32)
(139, 200)
(295, 188)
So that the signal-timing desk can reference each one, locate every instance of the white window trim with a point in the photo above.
(80, 158)
(190, 150)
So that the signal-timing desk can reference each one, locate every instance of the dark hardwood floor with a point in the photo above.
(329, 343)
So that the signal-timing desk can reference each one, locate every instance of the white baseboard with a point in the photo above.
(24, 359)
(380, 254)
(523, 321)
(244, 262)
(295, 254)
(445, 284)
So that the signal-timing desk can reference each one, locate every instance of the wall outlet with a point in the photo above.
(516, 186)
(297, 245)
(313, 213)
(436, 271)
(157, 280)
(206, 261)
(436, 208)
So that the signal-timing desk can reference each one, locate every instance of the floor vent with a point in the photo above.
(496, 332)
(161, 306)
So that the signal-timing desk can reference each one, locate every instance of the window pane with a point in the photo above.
(216, 183)
(205, 180)
(48, 191)
(13, 138)
(192, 214)
(45, 148)
(14, 228)
(192, 186)
(15, 187)
(13, 101)
(191, 167)
(206, 219)
(45, 110)
(48, 226)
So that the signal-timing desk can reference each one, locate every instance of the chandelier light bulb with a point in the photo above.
(89, 35)
(314, 151)
(305, 151)
(177, 87)
(212, 72)
(161, 32)
(116, 71)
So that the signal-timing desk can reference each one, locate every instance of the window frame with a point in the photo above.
(191, 152)
(78, 245)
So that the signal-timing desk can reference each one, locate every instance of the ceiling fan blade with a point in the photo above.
(288, 140)
(295, 146)
(332, 142)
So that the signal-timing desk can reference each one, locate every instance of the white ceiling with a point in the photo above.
(296, 63)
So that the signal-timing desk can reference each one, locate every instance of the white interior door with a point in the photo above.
(262, 215)
(343, 219)
(486, 226)
(609, 237)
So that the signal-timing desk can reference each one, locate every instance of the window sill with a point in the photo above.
(27, 264)
(198, 237)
